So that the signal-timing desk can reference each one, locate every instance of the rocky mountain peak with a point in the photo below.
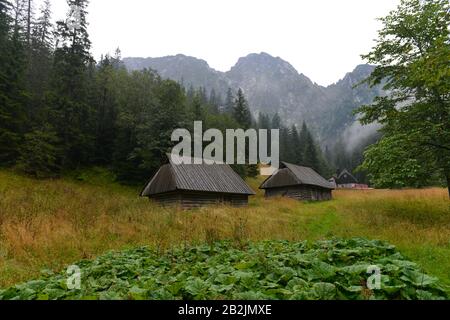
(273, 85)
(264, 64)
(360, 73)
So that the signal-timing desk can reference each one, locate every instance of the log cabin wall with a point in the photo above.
(190, 200)
(300, 192)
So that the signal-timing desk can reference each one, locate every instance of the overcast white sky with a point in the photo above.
(322, 39)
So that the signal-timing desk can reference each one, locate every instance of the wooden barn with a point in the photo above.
(297, 182)
(197, 185)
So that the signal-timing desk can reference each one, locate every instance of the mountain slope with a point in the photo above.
(273, 85)
(184, 69)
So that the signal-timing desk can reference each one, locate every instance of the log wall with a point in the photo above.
(300, 192)
(189, 200)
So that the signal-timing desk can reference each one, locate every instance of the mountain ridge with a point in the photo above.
(273, 85)
(130, 63)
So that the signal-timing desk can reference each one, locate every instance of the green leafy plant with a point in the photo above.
(332, 269)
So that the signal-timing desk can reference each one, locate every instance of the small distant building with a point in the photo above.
(333, 182)
(345, 180)
(197, 185)
(297, 182)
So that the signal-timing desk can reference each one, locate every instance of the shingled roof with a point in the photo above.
(346, 177)
(216, 178)
(291, 174)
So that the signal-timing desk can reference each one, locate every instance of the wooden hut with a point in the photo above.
(197, 185)
(300, 183)
(345, 180)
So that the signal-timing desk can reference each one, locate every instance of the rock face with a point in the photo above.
(184, 69)
(273, 85)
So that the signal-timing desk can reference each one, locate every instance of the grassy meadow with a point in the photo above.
(51, 224)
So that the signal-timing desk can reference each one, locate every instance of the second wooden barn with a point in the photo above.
(297, 182)
(196, 185)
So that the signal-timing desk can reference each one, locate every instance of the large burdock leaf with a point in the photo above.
(225, 279)
(249, 295)
(111, 295)
(417, 278)
(137, 293)
(324, 291)
(321, 270)
(196, 287)
(245, 265)
(425, 295)
(297, 283)
(355, 269)
(222, 288)
(331, 269)
(390, 290)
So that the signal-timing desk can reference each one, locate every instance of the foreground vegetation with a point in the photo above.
(52, 224)
(267, 270)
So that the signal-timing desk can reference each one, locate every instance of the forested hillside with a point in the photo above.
(62, 110)
(273, 86)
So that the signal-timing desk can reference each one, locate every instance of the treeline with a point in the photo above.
(60, 110)
(297, 144)
(342, 156)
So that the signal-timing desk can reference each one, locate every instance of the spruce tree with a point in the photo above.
(198, 111)
(311, 152)
(39, 67)
(242, 115)
(72, 116)
(229, 101)
(190, 93)
(213, 98)
(264, 121)
(12, 94)
(276, 121)
(285, 149)
(295, 146)
(241, 111)
(5, 114)
(5, 43)
(105, 102)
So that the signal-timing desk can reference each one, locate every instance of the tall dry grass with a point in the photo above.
(50, 224)
(416, 221)
(418, 216)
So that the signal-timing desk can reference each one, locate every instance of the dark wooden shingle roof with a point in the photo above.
(345, 177)
(217, 178)
(291, 174)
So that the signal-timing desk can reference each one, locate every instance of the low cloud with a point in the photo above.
(357, 133)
